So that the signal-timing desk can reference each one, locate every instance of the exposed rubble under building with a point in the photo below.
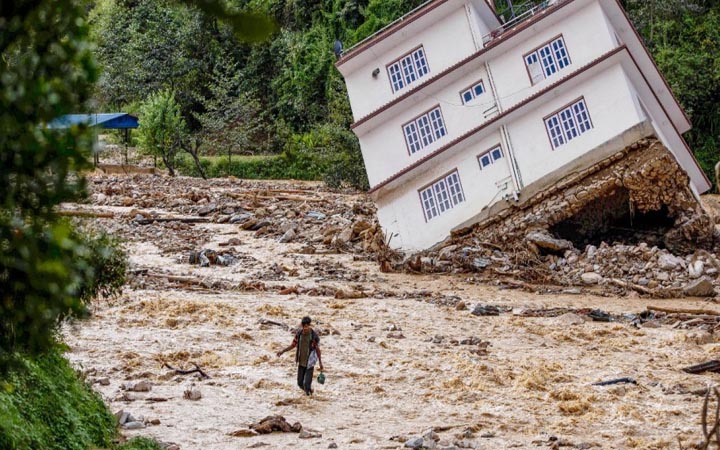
(630, 221)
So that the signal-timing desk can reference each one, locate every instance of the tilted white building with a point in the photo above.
(456, 111)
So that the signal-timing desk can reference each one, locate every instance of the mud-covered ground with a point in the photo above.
(403, 358)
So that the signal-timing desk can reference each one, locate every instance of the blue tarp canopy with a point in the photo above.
(106, 120)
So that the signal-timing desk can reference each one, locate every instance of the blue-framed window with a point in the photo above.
(568, 123)
(441, 195)
(489, 157)
(547, 60)
(424, 130)
(408, 69)
(472, 92)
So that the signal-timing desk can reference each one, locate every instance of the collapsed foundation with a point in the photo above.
(614, 219)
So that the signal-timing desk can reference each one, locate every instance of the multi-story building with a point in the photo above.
(456, 111)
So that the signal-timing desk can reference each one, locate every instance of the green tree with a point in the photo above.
(47, 69)
(162, 128)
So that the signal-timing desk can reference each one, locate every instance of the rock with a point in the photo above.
(172, 447)
(307, 434)
(136, 425)
(481, 263)
(570, 319)
(192, 393)
(662, 276)
(345, 236)
(461, 306)
(651, 324)
(548, 242)
(243, 432)
(416, 442)
(332, 445)
(207, 209)
(240, 218)
(430, 435)
(485, 310)
(154, 422)
(123, 417)
(447, 252)
(668, 261)
(700, 337)
(288, 236)
(137, 386)
(696, 269)
(591, 278)
(316, 215)
(590, 250)
(701, 287)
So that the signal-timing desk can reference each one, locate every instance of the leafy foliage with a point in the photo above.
(47, 69)
(43, 405)
(162, 127)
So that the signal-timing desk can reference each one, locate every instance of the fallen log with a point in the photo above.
(197, 369)
(85, 213)
(695, 312)
(272, 322)
(633, 286)
(708, 366)
(149, 220)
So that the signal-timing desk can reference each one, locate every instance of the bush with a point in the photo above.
(109, 263)
(327, 152)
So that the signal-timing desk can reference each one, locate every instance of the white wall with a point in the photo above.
(586, 37)
(610, 102)
(400, 211)
(384, 148)
(446, 42)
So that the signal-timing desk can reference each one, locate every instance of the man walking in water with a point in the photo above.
(307, 354)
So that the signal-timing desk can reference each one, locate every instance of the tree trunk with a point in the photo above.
(192, 149)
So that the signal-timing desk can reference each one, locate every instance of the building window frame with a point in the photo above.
(568, 123)
(441, 195)
(424, 129)
(551, 57)
(408, 69)
(490, 156)
(470, 93)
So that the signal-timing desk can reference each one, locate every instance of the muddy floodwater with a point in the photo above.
(405, 357)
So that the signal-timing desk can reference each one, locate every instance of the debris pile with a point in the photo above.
(619, 224)
(289, 212)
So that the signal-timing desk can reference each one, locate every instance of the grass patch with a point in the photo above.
(44, 405)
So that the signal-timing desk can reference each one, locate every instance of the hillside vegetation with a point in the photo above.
(284, 95)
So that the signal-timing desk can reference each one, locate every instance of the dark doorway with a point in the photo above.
(610, 219)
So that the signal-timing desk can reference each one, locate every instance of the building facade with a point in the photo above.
(456, 112)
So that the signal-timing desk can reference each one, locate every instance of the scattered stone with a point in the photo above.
(134, 425)
(696, 269)
(137, 386)
(461, 306)
(332, 445)
(307, 434)
(154, 422)
(485, 310)
(243, 432)
(591, 278)
(548, 242)
(569, 319)
(288, 236)
(701, 287)
(192, 393)
(275, 423)
(668, 261)
(416, 442)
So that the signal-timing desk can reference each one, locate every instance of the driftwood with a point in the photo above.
(85, 213)
(272, 322)
(696, 312)
(615, 381)
(633, 286)
(708, 366)
(149, 220)
(197, 369)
